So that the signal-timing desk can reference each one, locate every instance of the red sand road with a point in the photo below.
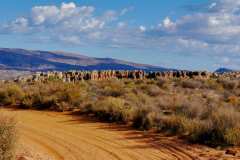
(60, 136)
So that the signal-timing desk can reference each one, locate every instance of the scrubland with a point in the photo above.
(7, 137)
(200, 111)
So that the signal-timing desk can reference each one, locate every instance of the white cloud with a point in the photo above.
(68, 17)
(215, 31)
(142, 28)
(42, 14)
(68, 22)
(20, 25)
(68, 6)
(225, 6)
(168, 24)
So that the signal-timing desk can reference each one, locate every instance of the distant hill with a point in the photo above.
(28, 60)
(223, 70)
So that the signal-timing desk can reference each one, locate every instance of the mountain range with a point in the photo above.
(15, 62)
(34, 60)
(224, 70)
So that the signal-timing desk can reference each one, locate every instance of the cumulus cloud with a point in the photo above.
(20, 25)
(215, 30)
(168, 24)
(224, 6)
(77, 25)
(142, 28)
(68, 17)
(57, 20)
(72, 24)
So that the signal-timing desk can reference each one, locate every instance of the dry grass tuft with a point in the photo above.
(7, 138)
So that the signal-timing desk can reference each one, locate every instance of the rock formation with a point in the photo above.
(75, 76)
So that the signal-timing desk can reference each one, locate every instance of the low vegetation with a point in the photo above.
(202, 111)
(7, 138)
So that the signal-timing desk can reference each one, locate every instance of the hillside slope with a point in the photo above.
(223, 70)
(28, 60)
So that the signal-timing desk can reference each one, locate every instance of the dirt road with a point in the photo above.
(59, 136)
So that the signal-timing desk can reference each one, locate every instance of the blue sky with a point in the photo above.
(186, 34)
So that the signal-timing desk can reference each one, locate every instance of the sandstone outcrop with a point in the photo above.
(75, 76)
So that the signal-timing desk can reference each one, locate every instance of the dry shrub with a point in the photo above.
(140, 106)
(114, 91)
(139, 82)
(11, 94)
(234, 100)
(138, 99)
(173, 124)
(150, 87)
(57, 96)
(7, 138)
(198, 130)
(213, 84)
(232, 136)
(165, 102)
(205, 111)
(171, 101)
(4, 99)
(154, 119)
(26, 103)
(39, 101)
(153, 90)
(140, 118)
(224, 118)
(162, 83)
(229, 84)
(110, 109)
(193, 108)
(192, 84)
(112, 88)
(73, 95)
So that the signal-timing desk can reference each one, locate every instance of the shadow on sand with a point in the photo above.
(145, 139)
